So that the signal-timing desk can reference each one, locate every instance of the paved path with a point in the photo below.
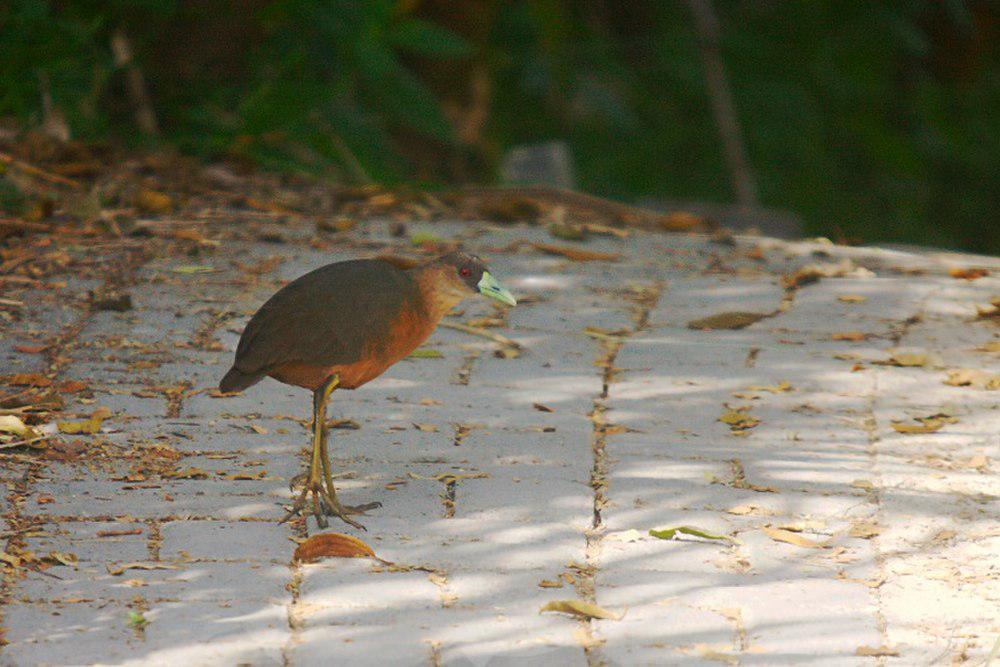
(507, 483)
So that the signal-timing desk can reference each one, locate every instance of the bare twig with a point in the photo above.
(707, 24)
(32, 170)
(483, 333)
(145, 117)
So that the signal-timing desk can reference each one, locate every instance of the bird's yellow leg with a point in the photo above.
(329, 492)
(314, 480)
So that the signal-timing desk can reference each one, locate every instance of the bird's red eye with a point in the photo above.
(464, 272)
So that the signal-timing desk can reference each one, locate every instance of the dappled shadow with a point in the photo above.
(465, 587)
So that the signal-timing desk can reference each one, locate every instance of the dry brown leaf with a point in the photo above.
(972, 377)
(331, 545)
(910, 360)
(781, 535)
(580, 609)
(850, 335)
(116, 570)
(864, 529)
(542, 407)
(730, 320)
(968, 273)
(682, 221)
(876, 652)
(426, 428)
(151, 201)
(738, 420)
(29, 380)
(549, 583)
(187, 473)
(577, 254)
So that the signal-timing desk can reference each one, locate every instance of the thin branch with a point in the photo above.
(483, 333)
(707, 24)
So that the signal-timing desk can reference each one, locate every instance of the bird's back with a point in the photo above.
(332, 316)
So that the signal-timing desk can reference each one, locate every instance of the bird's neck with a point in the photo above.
(439, 292)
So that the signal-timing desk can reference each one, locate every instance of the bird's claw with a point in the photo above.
(325, 504)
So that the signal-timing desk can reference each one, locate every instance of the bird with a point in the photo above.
(343, 325)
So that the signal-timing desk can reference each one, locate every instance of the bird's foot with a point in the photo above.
(359, 510)
(302, 501)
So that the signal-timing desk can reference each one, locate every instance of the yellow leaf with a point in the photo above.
(548, 583)
(581, 609)
(779, 388)
(852, 298)
(781, 535)
(864, 529)
(971, 377)
(876, 652)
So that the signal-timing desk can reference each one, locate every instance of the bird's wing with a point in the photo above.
(326, 316)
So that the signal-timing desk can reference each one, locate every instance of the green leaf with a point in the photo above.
(137, 620)
(671, 533)
(427, 39)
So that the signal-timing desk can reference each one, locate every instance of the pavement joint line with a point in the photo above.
(586, 583)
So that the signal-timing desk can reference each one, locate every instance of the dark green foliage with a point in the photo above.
(874, 121)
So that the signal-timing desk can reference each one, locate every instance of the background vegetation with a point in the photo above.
(871, 120)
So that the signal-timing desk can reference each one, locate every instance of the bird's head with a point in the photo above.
(468, 274)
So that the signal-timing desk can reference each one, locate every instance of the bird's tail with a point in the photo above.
(237, 380)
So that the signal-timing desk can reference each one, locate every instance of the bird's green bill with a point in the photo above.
(489, 286)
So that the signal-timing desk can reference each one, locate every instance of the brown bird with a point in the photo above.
(343, 325)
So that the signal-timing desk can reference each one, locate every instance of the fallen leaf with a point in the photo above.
(62, 558)
(542, 408)
(730, 320)
(577, 254)
(72, 387)
(187, 473)
(151, 201)
(331, 545)
(30, 349)
(864, 529)
(549, 583)
(426, 428)
(779, 388)
(749, 508)
(136, 620)
(781, 535)
(29, 380)
(13, 424)
(972, 377)
(876, 652)
(116, 570)
(852, 298)
(969, 273)
(738, 420)
(850, 335)
(581, 609)
(679, 221)
(341, 224)
(86, 427)
(923, 425)
(910, 360)
(671, 533)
